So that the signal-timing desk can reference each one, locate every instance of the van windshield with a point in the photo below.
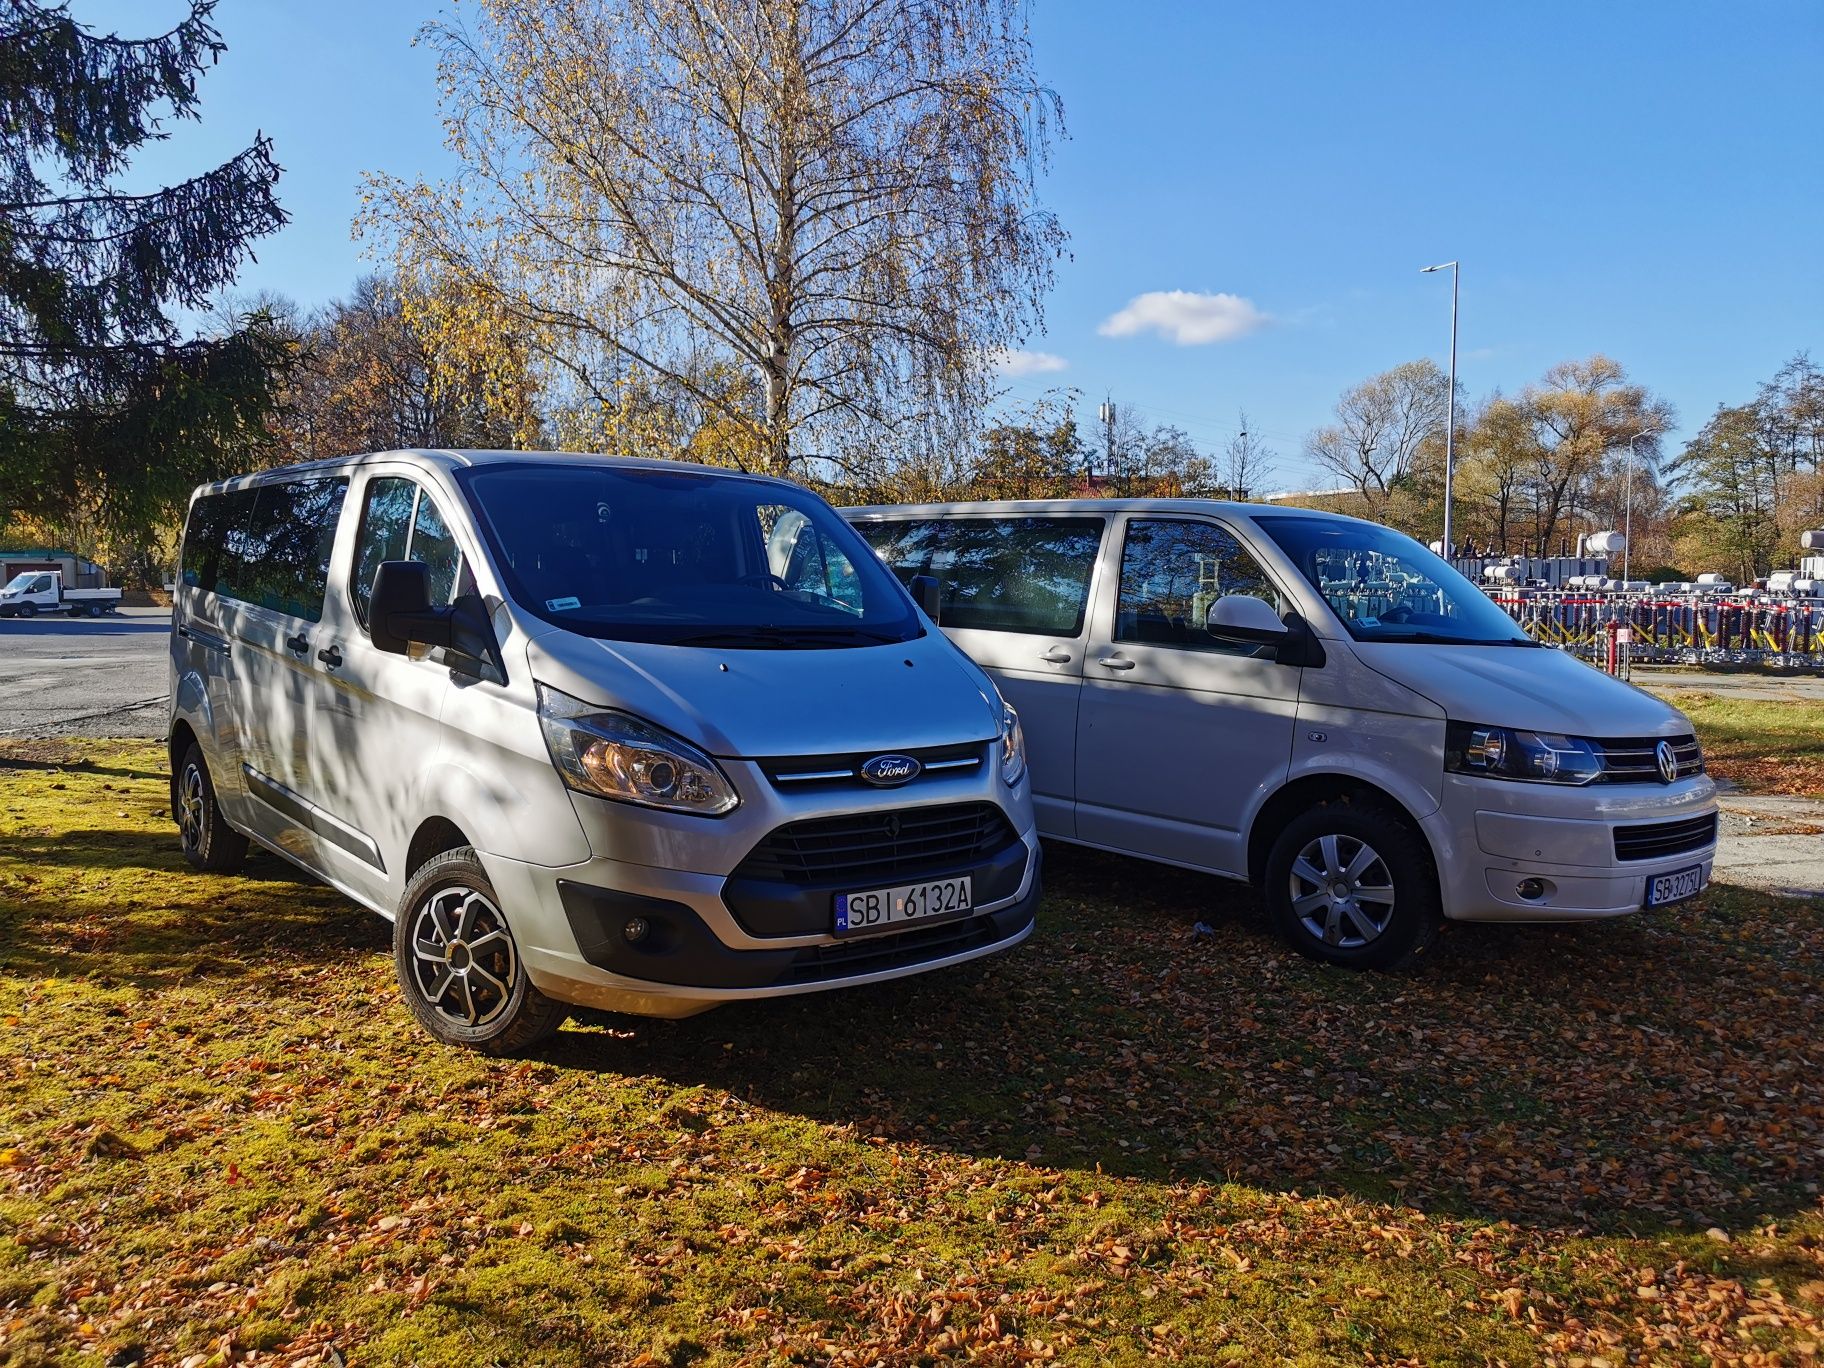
(18, 581)
(1386, 587)
(685, 557)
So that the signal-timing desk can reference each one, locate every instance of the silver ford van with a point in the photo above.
(627, 734)
(1316, 704)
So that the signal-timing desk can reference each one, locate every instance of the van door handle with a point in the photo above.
(331, 656)
(298, 644)
(1115, 662)
(1057, 655)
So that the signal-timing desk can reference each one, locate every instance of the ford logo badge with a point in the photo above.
(890, 771)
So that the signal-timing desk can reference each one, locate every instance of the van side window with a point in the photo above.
(399, 521)
(203, 542)
(1172, 570)
(1025, 574)
(284, 562)
(268, 546)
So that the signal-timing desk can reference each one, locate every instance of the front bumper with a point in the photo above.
(1491, 836)
(716, 937)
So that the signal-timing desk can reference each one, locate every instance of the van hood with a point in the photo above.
(1528, 689)
(754, 703)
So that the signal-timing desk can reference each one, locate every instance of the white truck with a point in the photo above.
(31, 592)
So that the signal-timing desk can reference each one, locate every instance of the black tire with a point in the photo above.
(484, 1000)
(28, 610)
(1378, 909)
(210, 844)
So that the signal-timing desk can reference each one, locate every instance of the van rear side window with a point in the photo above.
(1014, 574)
(268, 546)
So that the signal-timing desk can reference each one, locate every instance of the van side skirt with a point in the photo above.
(301, 810)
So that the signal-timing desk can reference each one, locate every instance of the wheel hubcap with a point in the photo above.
(1342, 891)
(190, 807)
(463, 958)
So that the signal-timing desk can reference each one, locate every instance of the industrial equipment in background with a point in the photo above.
(1573, 603)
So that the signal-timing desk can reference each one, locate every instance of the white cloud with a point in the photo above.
(1013, 361)
(1188, 318)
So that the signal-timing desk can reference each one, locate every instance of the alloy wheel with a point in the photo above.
(463, 957)
(1342, 891)
(190, 800)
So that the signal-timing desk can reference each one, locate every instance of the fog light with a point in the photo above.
(1531, 889)
(636, 929)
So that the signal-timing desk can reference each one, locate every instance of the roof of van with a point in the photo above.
(450, 459)
(1245, 510)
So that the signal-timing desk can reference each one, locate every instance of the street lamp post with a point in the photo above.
(1450, 429)
(1627, 504)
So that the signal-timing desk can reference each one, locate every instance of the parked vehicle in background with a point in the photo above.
(630, 734)
(1313, 703)
(32, 592)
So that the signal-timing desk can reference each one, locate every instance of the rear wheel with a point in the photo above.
(210, 844)
(1352, 883)
(459, 966)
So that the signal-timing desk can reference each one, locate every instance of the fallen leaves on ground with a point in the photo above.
(223, 1141)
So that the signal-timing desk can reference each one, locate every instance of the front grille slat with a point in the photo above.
(1628, 759)
(797, 773)
(877, 847)
(1653, 840)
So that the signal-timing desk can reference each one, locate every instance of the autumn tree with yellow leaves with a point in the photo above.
(803, 227)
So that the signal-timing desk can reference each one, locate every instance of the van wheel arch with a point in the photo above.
(435, 836)
(177, 745)
(1313, 791)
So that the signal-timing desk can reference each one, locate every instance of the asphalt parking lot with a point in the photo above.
(84, 676)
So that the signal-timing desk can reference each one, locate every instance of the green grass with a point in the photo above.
(1762, 745)
(222, 1135)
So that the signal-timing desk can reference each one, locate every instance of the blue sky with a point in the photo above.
(1643, 179)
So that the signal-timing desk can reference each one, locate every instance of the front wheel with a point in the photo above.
(28, 610)
(1351, 882)
(458, 963)
(210, 844)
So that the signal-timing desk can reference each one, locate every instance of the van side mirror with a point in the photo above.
(925, 589)
(400, 612)
(1245, 620)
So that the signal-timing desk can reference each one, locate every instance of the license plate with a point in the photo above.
(1675, 887)
(881, 909)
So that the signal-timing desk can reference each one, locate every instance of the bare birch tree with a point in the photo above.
(1381, 426)
(837, 197)
(1247, 464)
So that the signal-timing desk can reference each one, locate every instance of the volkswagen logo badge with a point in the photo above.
(890, 771)
(1668, 761)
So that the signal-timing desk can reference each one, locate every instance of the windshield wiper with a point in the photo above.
(1440, 639)
(784, 638)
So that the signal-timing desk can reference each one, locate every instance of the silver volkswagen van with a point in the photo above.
(627, 734)
(1316, 704)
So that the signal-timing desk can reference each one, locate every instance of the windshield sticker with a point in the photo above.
(558, 605)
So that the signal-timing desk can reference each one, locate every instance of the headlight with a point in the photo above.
(1013, 745)
(1503, 753)
(616, 755)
